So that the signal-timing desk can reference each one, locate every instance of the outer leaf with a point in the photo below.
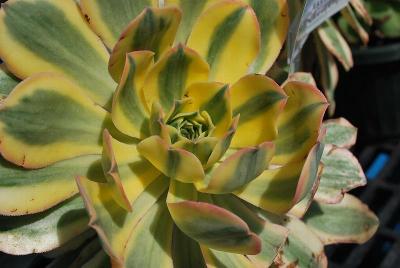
(310, 173)
(352, 20)
(336, 44)
(299, 123)
(129, 112)
(302, 77)
(7, 81)
(258, 100)
(111, 173)
(348, 33)
(224, 29)
(340, 132)
(186, 252)
(303, 248)
(277, 190)
(342, 172)
(109, 18)
(173, 162)
(112, 223)
(51, 36)
(47, 119)
(349, 221)
(272, 235)
(329, 73)
(274, 189)
(361, 10)
(191, 10)
(154, 29)
(27, 191)
(214, 98)
(150, 242)
(216, 259)
(127, 173)
(238, 170)
(210, 225)
(172, 74)
(214, 227)
(43, 231)
(273, 18)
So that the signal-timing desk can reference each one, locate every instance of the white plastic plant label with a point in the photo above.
(314, 13)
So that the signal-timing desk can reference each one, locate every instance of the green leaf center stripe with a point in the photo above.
(191, 11)
(282, 190)
(15, 176)
(266, 12)
(43, 118)
(221, 36)
(249, 166)
(292, 142)
(256, 105)
(171, 80)
(297, 120)
(216, 106)
(150, 32)
(173, 162)
(65, 46)
(186, 252)
(129, 100)
(116, 21)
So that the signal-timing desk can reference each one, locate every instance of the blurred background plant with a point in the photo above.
(361, 24)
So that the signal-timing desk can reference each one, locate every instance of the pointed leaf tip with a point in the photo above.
(215, 227)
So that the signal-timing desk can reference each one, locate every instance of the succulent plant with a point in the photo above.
(328, 45)
(184, 153)
(381, 21)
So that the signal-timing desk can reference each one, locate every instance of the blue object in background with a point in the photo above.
(397, 228)
(377, 165)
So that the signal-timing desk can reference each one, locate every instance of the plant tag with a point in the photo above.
(314, 13)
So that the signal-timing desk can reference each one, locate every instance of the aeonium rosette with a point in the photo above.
(193, 141)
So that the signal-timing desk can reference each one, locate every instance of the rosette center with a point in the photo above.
(192, 125)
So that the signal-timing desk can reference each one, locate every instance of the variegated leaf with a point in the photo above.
(52, 36)
(259, 101)
(129, 112)
(175, 163)
(336, 44)
(25, 191)
(167, 81)
(208, 224)
(154, 29)
(352, 20)
(113, 224)
(109, 18)
(340, 132)
(46, 119)
(215, 36)
(349, 221)
(43, 231)
(341, 173)
(299, 123)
